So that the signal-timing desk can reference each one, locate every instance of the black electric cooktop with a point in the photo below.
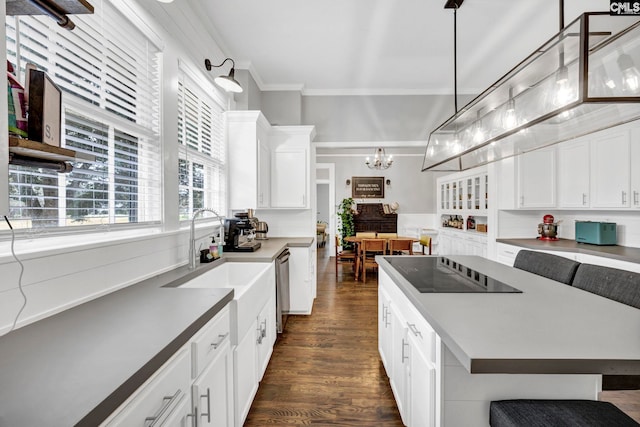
(443, 275)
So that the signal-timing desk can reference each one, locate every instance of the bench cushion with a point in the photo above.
(619, 285)
(552, 267)
(557, 413)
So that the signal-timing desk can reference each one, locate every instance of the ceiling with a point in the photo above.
(381, 46)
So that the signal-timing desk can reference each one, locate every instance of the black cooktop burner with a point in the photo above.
(441, 274)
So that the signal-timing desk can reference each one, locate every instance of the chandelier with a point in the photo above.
(380, 160)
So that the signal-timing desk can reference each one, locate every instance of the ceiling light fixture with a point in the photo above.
(555, 101)
(380, 160)
(228, 83)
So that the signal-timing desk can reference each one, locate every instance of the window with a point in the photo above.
(108, 72)
(202, 162)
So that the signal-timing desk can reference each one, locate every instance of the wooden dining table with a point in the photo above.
(357, 240)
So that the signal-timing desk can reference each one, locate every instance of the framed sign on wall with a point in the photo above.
(367, 187)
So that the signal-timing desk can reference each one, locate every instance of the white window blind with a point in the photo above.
(202, 163)
(108, 71)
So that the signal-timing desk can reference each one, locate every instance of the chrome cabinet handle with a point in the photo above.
(215, 345)
(635, 198)
(262, 331)
(385, 317)
(167, 402)
(208, 413)
(404, 357)
(624, 197)
(584, 199)
(414, 330)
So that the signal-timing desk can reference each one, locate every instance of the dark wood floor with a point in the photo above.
(325, 368)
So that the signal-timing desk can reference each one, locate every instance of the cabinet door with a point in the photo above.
(264, 174)
(610, 171)
(573, 175)
(635, 170)
(300, 292)
(212, 392)
(245, 375)
(266, 336)
(400, 349)
(384, 329)
(421, 388)
(289, 178)
(536, 179)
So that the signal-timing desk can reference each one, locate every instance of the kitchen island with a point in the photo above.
(549, 341)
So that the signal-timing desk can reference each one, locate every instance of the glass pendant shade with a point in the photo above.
(584, 79)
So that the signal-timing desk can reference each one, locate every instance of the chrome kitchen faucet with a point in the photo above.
(192, 238)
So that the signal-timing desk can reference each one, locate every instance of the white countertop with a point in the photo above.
(549, 328)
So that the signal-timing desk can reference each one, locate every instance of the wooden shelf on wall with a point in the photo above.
(39, 150)
(67, 7)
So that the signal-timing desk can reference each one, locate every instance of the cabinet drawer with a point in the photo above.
(423, 334)
(157, 398)
(507, 253)
(208, 342)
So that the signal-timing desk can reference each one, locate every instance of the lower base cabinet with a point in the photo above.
(193, 388)
(302, 279)
(409, 349)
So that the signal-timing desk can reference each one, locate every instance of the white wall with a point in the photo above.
(60, 273)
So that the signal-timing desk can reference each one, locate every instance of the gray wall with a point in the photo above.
(251, 96)
(323, 203)
(282, 107)
(413, 190)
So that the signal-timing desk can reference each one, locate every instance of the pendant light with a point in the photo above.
(582, 80)
(380, 160)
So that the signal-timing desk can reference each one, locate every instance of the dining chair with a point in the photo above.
(366, 234)
(425, 241)
(400, 247)
(343, 256)
(387, 235)
(369, 248)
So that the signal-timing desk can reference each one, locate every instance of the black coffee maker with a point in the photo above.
(238, 235)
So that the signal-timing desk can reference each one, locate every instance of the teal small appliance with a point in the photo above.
(596, 233)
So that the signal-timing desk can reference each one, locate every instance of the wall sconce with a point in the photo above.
(348, 182)
(388, 182)
(228, 83)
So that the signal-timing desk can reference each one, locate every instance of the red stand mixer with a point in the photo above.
(548, 229)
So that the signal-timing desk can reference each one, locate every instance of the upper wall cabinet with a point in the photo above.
(573, 174)
(536, 172)
(290, 166)
(249, 159)
(611, 171)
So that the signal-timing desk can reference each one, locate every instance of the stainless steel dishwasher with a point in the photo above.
(282, 289)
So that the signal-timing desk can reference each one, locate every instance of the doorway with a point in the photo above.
(326, 203)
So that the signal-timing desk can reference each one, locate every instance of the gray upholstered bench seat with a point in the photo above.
(552, 267)
(557, 413)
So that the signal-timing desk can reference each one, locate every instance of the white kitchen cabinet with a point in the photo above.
(212, 392)
(400, 359)
(410, 352)
(611, 171)
(574, 174)
(422, 377)
(159, 396)
(536, 172)
(264, 174)
(385, 340)
(290, 170)
(458, 242)
(266, 336)
(245, 375)
(635, 169)
(301, 280)
(181, 416)
(249, 159)
(507, 253)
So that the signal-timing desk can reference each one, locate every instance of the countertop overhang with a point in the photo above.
(549, 328)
